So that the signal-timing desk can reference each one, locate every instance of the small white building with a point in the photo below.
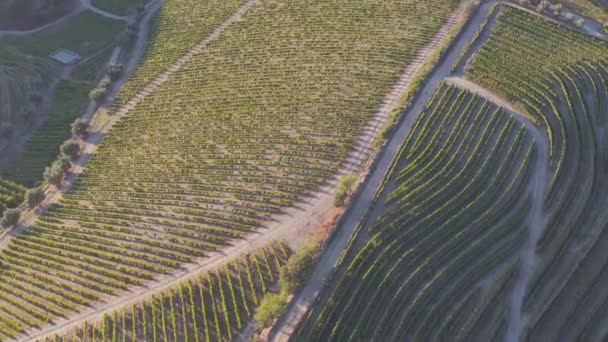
(65, 56)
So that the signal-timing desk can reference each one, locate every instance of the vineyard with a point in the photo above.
(43, 146)
(176, 29)
(454, 211)
(20, 78)
(215, 306)
(85, 34)
(252, 124)
(563, 84)
(119, 7)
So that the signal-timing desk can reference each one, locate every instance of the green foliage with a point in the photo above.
(42, 148)
(53, 175)
(10, 217)
(270, 308)
(35, 196)
(70, 148)
(98, 94)
(345, 184)
(11, 194)
(80, 128)
(298, 268)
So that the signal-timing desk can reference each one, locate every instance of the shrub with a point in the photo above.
(53, 174)
(71, 148)
(80, 128)
(580, 23)
(10, 217)
(98, 94)
(345, 185)
(63, 163)
(542, 6)
(298, 268)
(35, 196)
(270, 308)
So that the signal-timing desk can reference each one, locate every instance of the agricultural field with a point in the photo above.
(42, 147)
(562, 84)
(175, 30)
(455, 210)
(254, 122)
(507, 244)
(21, 78)
(213, 306)
(85, 34)
(119, 7)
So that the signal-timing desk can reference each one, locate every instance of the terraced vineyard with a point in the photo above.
(20, 78)
(563, 84)
(85, 34)
(454, 211)
(215, 306)
(43, 147)
(261, 117)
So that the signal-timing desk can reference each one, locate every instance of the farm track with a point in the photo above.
(537, 219)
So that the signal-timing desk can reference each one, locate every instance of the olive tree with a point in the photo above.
(70, 148)
(35, 196)
(10, 217)
(80, 128)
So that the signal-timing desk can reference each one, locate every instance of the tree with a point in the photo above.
(298, 268)
(35, 196)
(115, 71)
(53, 174)
(80, 128)
(63, 163)
(10, 217)
(606, 26)
(71, 148)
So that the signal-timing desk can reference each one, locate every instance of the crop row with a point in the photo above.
(455, 215)
(213, 306)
